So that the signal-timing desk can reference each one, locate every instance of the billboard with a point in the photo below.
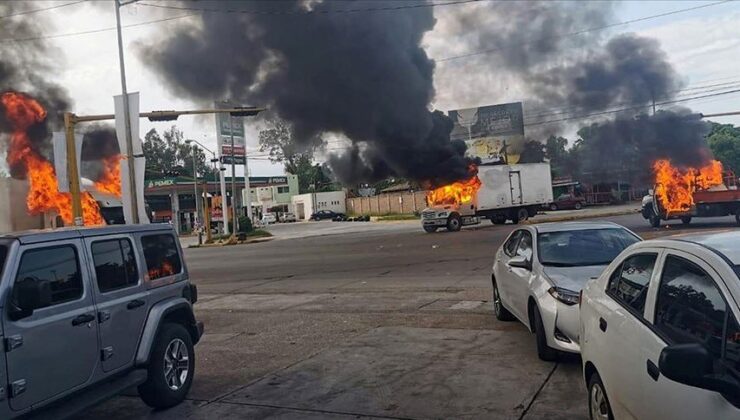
(224, 126)
(487, 129)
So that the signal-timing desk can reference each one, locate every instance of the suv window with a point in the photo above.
(115, 264)
(510, 245)
(629, 282)
(56, 271)
(690, 308)
(160, 253)
(525, 245)
(3, 254)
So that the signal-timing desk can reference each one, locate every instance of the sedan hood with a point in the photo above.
(572, 278)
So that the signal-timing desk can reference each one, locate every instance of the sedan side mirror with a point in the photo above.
(691, 364)
(521, 262)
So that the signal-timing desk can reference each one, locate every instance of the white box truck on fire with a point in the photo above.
(505, 192)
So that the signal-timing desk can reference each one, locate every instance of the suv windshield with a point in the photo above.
(582, 247)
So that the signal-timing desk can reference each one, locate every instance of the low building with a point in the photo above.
(13, 212)
(272, 194)
(304, 205)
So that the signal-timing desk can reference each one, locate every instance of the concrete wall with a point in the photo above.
(13, 213)
(304, 205)
(393, 203)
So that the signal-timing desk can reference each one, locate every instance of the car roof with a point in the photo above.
(725, 243)
(566, 226)
(47, 235)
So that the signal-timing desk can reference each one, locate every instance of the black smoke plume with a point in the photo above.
(99, 142)
(24, 66)
(364, 75)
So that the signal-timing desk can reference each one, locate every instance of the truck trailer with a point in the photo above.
(506, 192)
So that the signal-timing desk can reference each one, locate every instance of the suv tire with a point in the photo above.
(544, 351)
(173, 351)
(502, 314)
(598, 402)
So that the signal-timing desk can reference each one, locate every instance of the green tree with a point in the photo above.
(297, 157)
(724, 141)
(169, 155)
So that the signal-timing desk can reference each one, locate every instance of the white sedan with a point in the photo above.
(540, 270)
(660, 337)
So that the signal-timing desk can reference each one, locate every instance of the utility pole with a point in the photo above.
(127, 123)
(233, 179)
(72, 170)
(195, 192)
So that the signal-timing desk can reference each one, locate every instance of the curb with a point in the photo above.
(247, 242)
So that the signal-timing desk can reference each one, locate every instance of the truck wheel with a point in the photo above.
(521, 215)
(686, 220)
(654, 221)
(498, 219)
(171, 368)
(430, 229)
(454, 223)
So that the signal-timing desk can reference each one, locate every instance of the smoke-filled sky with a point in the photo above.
(702, 46)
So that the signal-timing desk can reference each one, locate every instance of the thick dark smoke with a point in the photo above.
(364, 75)
(24, 67)
(99, 142)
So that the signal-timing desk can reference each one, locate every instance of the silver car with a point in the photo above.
(539, 271)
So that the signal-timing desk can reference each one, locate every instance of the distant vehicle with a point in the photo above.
(507, 192)
(660, 337)
(325, 214)
(91, 312)
(288, 218)
(567, 201)
(269, 218)
(540, 270)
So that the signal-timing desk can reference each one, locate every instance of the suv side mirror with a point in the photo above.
(691, 364)
(26, 297)
(521, 262)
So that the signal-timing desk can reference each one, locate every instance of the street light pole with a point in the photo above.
(233, 179)
(195, 192)
(127, 123)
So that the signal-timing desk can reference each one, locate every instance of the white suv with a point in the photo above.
(659, 331)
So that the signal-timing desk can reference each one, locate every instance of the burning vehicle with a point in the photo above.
(683, 193)
(496, 192)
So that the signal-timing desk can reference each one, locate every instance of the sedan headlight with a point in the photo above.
(566, 296)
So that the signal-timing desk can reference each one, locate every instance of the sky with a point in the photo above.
(703, 45)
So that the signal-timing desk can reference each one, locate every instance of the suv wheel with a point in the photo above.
(598, 403)
(544, 351)
(171, 368)
(502, 314)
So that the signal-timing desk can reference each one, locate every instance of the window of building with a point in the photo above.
(55, 270)
(160, 253)
(115, 264)
(629, 282)
(283, 190)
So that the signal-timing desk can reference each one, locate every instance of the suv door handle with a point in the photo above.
(653, 370)
(135, 304)
(602, 324)
(83, 319)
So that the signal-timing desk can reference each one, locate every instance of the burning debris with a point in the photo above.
(456, 193)
(675, 187)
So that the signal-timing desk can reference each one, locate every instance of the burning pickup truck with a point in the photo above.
(496, 192)
(708, 191)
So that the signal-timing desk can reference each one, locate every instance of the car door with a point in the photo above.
(521, 278)
(121, 298)
(690, 306)
(621, 330)
(54, 349)
(502, 270)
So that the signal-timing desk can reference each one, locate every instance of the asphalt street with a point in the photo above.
(376, 321)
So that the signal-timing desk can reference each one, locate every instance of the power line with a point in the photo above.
(28, 12)
(581, 32)
(309, 11)
(92, 31)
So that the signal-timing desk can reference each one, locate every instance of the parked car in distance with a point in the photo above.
(288, 218)
(91, 312)
(540, 270)
(660, 337)
(567, 201)
(325, 214)
(269, 218)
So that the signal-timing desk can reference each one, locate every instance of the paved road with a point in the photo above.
(383, 322)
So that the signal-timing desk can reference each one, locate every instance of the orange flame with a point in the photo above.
(110, 181)
(158, 272)
(43, 195)
(459, 192)
(675, 187)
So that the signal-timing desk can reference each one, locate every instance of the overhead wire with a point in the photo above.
(28, 12)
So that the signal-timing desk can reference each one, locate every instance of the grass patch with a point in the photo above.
(391, 217)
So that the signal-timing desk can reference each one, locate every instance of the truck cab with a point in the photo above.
(450, 216)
